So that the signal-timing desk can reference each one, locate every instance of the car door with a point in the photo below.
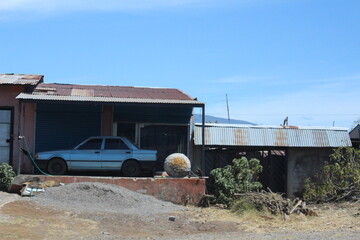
(115, 153)
(87, 156)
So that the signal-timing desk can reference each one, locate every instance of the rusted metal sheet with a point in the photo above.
(82, 92)
(275, 136)
(118, 91)
(111, 94)
(20, 79)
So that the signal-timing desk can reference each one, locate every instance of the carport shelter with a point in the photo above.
(152, 118)
(288, 154)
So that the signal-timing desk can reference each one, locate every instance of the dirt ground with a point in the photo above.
(21, 219)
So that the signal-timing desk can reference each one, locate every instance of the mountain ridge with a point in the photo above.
(213, 119)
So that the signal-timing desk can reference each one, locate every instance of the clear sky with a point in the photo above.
(274, 58)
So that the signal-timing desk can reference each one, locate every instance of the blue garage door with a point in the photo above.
(63, 126)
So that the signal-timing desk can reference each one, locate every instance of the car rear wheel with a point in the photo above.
(57, 166)
(131, 168)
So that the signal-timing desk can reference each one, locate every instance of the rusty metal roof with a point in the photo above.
(20, 79)
(112, 94)
(272, 136)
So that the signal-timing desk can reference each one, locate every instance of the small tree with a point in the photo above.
(7, 174)
(339, 180)
(240, 177)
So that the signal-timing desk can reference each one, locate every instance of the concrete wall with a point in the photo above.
(176, 190)
(304, 163)
(8, 95)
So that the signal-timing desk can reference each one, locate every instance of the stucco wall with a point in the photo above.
(304, 163)
(28, 130)
(8, 95)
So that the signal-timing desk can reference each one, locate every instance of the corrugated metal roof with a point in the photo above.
(112, 91)
(20, 79)
(36, 97)
(276, 136)
(113, 94)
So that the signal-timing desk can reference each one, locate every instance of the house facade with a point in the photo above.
(59, 116)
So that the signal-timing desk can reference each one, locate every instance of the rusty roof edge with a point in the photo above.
(274, 137)
(40, 97)
(21, 79)
(225, 125)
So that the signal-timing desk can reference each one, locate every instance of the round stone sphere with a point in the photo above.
(177, 165)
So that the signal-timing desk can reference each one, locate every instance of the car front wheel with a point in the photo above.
(57, 166)
(131, 168)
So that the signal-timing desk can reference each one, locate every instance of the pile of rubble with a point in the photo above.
(276, 204)
(100, 197)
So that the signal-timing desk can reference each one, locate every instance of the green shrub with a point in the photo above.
(339, 179)
(7, 174)
(240, 177)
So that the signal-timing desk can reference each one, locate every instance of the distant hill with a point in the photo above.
(212, 119)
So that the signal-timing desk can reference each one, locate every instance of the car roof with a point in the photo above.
(106, 137)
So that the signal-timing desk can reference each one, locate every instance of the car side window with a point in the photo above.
(92, 144)
(115, 144)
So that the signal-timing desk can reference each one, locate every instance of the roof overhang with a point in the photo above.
(26, 97)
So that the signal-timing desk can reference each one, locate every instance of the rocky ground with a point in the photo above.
(100, 211)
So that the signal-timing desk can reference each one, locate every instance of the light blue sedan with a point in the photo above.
(99, 154)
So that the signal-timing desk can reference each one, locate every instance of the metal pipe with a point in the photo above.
(18, 138)
(203, 140)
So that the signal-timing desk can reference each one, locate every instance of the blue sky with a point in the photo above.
(274, 58)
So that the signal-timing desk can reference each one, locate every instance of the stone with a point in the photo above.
(177, 165)
(286, 217)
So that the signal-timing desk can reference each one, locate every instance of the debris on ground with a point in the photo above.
(206, 200)
(276, 204)
(101, 197)
(37, 187)
(30, 186)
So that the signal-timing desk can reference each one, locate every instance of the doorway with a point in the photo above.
(6, 116)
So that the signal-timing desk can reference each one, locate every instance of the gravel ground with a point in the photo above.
(97, 211)
(339, 235)
(100, 197)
